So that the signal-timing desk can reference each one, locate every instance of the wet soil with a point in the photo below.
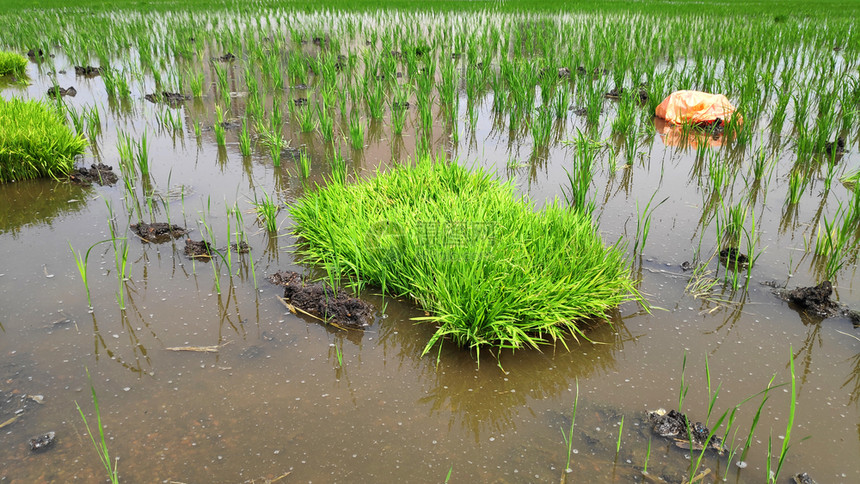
(57, 91)
(87, 71)
(228, 57)
(319, 299)
(198, 249)
(100, 174)
(172, 99)
(674, 425)
(158, 232)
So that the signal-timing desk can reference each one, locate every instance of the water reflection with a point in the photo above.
(37, 203)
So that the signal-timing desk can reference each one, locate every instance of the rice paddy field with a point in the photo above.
(224, 117)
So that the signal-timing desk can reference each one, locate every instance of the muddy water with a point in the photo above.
(276, 398)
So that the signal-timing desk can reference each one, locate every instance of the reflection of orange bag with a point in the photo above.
(695, 107)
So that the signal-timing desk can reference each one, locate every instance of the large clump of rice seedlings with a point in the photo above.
(35, 141)
(488, 268)
(12, 63)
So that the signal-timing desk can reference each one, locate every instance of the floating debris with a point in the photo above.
(198, 349)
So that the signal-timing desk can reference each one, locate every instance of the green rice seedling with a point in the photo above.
(620, 431)
(801, 107)
(218, 127)
(12, 63)
(305, 115)
(326, 121)
(541, 126)
(82, 263)
(631, 144)
(796, 185)
(35, 141)
(338, 168)
(837, 240)
(594, 103)
(245, 139)
(398, 118)
(267, 211)
(303, 165)
(356, 131)
(141, 155)
(560, 102)
(198, 129)
(647, 457)
(94, 123)
(626, 117)
(581, 175)
(100, 445)
(77, 119)
(374, 95)
(748, 444)
(568, 438)
(221, 78)
(272, 139)
(463, 273)
(773, 477)
(643, 222)
(109, 77)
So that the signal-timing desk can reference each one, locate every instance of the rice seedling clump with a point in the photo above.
(35, 141)
(488, 268)
(12, 63)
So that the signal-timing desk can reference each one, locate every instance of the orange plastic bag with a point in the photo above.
(695, 107)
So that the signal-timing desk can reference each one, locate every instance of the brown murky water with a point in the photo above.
(275, 398)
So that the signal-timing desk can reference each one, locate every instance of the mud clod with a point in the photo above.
(732, 257)
(802, 478)
(57, 91)
(172, 99)
(97, 173)
(615, 93)
(674, 425)
(87, 71)
(228, 57)
(334, 306)
(42, 442)
(195, 249)
(835, 147)
(158, 232)
(815, 299)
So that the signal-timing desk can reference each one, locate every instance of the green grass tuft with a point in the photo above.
(35, 141)
(488, 268)
(12, 63)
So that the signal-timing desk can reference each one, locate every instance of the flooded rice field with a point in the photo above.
(202, 372)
